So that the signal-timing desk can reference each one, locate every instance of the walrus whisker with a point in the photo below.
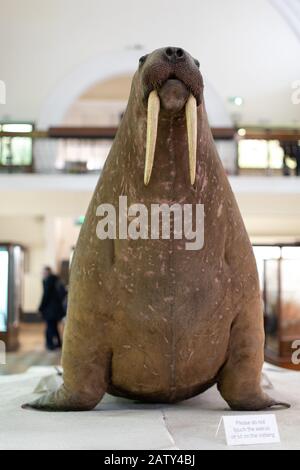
(191, 122)
(152, 124)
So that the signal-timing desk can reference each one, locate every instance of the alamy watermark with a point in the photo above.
(2, 353)
(2, 92)
(181, 222)
(296, 92)
(296, 354)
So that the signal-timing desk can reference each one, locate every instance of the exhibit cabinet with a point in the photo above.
(11, 293)
(281, 294)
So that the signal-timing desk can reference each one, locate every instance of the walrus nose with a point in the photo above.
(174, 54)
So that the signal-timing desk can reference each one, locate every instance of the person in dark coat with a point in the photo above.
(52, 308)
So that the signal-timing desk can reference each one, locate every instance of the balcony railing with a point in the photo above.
(74, 150)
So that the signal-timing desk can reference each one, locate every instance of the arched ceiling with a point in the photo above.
(247, 48)
(115, 89)
(290, 11)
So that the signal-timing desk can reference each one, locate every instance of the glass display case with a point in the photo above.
(279, 269)
(11, 293)
(259, 156)
(4, 263)
(16, 148)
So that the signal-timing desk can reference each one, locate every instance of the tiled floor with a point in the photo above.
(32, 351)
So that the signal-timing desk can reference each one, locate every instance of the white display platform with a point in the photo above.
(123, 424)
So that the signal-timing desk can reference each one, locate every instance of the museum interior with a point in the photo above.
(65, 77)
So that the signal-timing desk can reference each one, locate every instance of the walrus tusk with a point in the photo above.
(152, 124)
(191, 122)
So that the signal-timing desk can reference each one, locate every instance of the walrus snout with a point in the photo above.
(167, 64)
(173, 95)
(175, 54)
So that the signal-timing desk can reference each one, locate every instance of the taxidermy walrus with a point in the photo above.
(149, 319)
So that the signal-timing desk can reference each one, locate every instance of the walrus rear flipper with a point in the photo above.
(239, 381)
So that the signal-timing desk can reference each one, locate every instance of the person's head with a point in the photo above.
(47, 271)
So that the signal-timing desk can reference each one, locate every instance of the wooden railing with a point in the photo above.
(110, 132)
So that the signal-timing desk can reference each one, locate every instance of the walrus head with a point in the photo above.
(171, 84)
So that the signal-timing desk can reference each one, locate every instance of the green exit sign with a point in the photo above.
(79, 221)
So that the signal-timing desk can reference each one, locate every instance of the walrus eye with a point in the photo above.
(143, 60)
(197, 63)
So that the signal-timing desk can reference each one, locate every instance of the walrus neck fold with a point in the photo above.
(152, 125)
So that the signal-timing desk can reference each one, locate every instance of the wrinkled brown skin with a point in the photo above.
(147, 319)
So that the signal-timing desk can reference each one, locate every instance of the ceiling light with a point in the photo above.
(236, 100)
(242, 132)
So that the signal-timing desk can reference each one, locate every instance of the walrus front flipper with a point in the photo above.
(86, 364)
(256, 402)
(84, 383)
(239, 381)
(87, 355)
(61, 400)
